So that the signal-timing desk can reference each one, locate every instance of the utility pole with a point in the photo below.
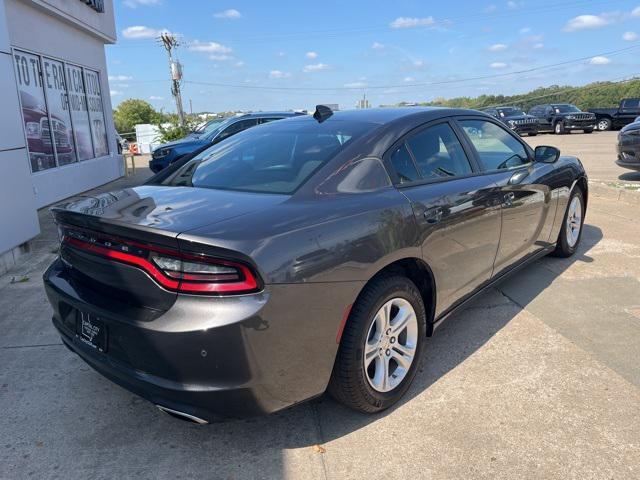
(170, 42)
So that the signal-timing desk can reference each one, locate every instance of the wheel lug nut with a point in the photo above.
(388, 331)
(393, 340)
(388, 352)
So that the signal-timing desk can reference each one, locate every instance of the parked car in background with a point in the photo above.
(212, 133)
(629, 146)
(310, 253)
(561, 118)
(616, 118)
(516, 119)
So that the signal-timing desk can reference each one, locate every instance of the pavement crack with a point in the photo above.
(319, 435)
(9, 347)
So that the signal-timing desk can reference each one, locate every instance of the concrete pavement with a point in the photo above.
(538, 378)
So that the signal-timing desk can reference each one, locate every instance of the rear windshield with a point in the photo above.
(274, 158)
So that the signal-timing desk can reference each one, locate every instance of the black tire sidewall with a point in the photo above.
(362, 315)
(563, 247)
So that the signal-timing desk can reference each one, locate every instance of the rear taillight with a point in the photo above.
(173, 270)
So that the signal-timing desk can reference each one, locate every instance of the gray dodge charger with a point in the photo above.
(311, 254)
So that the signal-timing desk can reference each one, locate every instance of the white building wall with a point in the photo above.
(66, 30)
(18, 216)
(33, 27)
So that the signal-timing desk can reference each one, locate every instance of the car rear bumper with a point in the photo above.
(212, 357)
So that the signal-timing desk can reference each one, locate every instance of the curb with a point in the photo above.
(617, 194)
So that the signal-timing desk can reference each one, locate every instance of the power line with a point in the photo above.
(420, 84)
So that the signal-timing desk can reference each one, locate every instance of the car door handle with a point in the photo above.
(509, 198)
(433, 215)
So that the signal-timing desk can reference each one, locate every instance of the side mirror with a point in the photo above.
(544, 154)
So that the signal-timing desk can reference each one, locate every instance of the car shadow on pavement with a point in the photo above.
(630, 177)
(461, 335)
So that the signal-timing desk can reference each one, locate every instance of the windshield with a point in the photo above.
(510, 112)
(275, 158)
(566, 109)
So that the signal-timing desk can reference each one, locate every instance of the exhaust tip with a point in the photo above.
(182, 416)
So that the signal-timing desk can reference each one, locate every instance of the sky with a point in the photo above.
(275, 55)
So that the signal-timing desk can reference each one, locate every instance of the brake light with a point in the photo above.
(171, 269)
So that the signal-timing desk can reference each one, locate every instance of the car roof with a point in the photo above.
(384, 115)
(268, 114)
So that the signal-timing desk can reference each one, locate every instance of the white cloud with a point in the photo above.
(630, 36)
(409, 22)
(409, 79)
(280, 54)
(490, 8)
(498, 47)
(278, 74)
(316, 67)
(140, 31)
(498, 65)
(119, 78)
(636, 12)
(377, 46)
(582, 22)
(239, 64)
(418, 63)
(141, 3)
(311, 55)
(599, 60)
(220, 57)
(525, 30)
(355, 85)
(210, 47)
(511, 5)
(115, 93)
(153, 97)
(538, 46)
(230, 14)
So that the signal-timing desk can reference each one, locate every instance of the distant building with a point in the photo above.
(57, 137)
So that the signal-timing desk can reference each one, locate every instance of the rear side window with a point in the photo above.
(496, 148)
(403, 165)
(276, 158)
(438, 153)
(270, 119)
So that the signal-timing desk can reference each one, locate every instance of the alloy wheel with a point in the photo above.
(574, 222)
(391, 345)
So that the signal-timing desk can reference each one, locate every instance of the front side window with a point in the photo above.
(496, 147)
(237, 127)
(438, 153)
(276, 158)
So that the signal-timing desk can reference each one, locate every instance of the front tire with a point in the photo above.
(559, 129)
(381, 345)
(571, 231)
(533, 134)
(588, 130)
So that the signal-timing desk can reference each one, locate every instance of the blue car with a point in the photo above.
(212, 132)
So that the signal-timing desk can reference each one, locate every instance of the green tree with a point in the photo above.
(132, 112)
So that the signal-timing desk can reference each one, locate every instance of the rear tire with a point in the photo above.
(604, 124)
(360, 379)
(559, 128)
(571, 231)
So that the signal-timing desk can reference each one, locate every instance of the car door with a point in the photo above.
(528, 208)
(456, 209)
